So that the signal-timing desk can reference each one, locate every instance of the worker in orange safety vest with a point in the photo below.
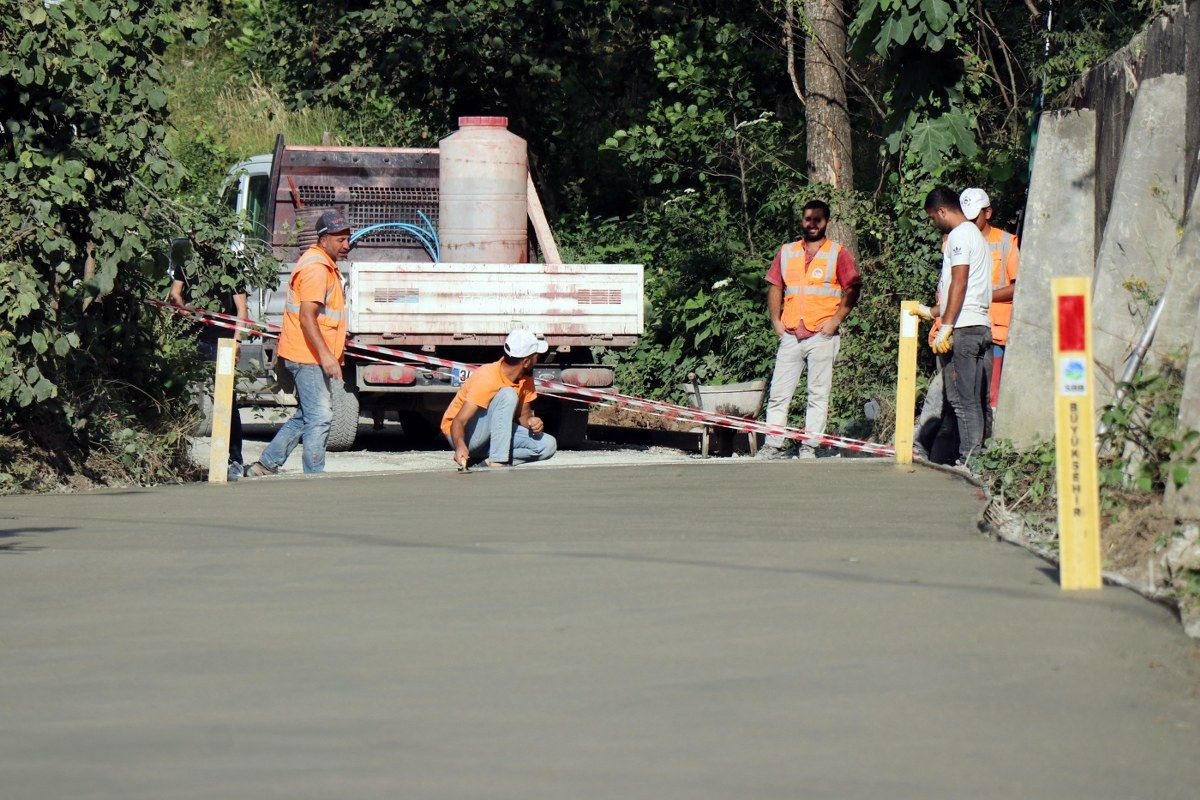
(814, 285)
(1006, 258)
(311, 344)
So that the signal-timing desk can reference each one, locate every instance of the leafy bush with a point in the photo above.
(1022, 479)
(1143, 450)
(89, 371)
(1141, 453)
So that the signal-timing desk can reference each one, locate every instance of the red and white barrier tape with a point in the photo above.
(370, 352)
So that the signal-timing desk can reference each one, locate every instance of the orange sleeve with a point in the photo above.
(1014, 261)
(311, 283)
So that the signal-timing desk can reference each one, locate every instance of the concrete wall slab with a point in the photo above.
(1059, 241)
(1144, 226)
(1183, 314)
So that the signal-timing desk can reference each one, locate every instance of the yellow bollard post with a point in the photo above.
(1075, 441)
(906, 382)
(222, 411)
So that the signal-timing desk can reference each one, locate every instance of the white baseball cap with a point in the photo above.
(973, 201)
(522, 344)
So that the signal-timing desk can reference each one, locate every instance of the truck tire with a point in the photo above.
(344, 429)
(569, 424)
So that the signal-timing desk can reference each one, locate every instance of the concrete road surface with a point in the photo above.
(746, 630)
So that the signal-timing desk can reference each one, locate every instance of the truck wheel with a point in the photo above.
(569, 425)
(204, 403)
(344, 429)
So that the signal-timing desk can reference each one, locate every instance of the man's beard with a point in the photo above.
(814, 236)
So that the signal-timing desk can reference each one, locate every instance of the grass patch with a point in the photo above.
(222, 114)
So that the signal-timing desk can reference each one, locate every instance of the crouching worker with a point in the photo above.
(491, 416)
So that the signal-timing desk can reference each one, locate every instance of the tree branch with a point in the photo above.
(789, 41)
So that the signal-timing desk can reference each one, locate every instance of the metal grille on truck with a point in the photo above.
(598, 297)
(371, 205)
(316, 195)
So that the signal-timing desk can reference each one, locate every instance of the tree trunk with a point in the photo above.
(829, 158)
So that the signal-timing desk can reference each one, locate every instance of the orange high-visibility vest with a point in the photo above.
(811, 293)
(331, 320)
(1001, 244)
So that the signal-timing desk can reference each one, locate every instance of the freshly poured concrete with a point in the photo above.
(786, 630)
(1059, 241)
(1142, 236)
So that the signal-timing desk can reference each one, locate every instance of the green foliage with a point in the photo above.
(220, 116)
(1144, 449)
(1189, 584)
(86, 207)
(1023, 479)
(1142, 452)
(884, 24)
(930, 93)
(1085, 33)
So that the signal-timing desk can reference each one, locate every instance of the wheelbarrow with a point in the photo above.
(735, 399)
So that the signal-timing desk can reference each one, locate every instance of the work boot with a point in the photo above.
(236, 471)
(769, 452)
(807, 454)
(258, 470)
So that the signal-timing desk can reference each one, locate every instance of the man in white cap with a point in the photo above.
(492, 414)
(1006, 258)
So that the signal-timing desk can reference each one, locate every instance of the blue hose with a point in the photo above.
(424, 237)
(427, 237)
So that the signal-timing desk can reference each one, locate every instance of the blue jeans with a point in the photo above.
(494, 430)
(209, 351)
(311, 421)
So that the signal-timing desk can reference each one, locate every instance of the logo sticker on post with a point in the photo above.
(1075, 441)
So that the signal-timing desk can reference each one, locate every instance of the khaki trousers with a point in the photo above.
(817, 353)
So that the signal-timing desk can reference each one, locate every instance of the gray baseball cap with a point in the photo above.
(332, 222)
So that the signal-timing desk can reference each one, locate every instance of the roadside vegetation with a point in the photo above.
(1143, 456)
(670, 134)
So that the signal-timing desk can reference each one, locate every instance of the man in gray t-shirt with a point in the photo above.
(964, 341)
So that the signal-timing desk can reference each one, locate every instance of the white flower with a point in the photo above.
(721, 284)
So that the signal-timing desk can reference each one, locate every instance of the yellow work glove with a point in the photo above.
(944, 341)
(924, 312)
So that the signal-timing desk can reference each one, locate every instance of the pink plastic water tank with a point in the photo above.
(482, 212)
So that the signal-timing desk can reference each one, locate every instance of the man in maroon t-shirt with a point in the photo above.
(814, 284)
